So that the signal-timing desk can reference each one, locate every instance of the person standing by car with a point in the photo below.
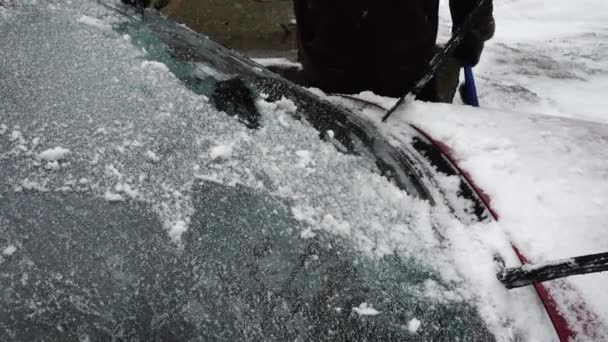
(348, 46)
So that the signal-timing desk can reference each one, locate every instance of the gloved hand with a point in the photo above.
(470, 48)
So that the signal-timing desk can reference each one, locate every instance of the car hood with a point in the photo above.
(543, 177)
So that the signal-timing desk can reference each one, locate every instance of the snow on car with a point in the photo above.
(157, 186)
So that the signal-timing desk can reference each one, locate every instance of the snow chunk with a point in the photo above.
(304, 214)
(413, 325)
(3, 129)
(113, 197)
(9, 250)
(126, 189)
(176, 231)
(331, 224)
(152, 157)
(17, 136)
(54, 154)
(27, 184)
(307, 234)
(52, 165)
(221, 152)
(366, 310)
(305, 158)
(286, 105)
(94, 22)
(110, 170)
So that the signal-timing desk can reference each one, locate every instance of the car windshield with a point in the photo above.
(155, 186)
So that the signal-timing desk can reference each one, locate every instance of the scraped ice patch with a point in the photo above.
(54, 154)
(207, 71)
(9, 250)
(365, 309)
(94, 22)
(413, 325)
(221, 152)
(3, 129)
(177, 230)
(154, 65)
(277, 62)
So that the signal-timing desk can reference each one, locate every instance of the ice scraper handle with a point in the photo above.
(470, 89)
(525, 275)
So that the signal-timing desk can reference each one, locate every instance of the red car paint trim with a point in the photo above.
(448, 154)
(560, 325)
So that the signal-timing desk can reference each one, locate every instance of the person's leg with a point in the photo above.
(443, 86)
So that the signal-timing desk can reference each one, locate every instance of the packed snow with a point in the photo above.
(54, 154)
(113, 197)
(366, 310)
(153, 157)
(9, 250)
(413, 325)
(178, 229)
(221, 152)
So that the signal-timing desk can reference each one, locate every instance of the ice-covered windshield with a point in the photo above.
(132, 208)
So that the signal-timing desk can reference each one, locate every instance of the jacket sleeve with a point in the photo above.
(483, 24)
(482, 28)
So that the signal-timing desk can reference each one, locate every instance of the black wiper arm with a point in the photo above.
(514, 277)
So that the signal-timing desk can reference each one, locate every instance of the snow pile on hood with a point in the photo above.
(547, 178)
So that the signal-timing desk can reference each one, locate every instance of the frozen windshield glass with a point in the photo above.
(132, 208)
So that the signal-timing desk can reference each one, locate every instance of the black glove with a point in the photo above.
(470, 48)
(468, 52)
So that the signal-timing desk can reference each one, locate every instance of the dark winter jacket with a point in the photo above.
(380, 45)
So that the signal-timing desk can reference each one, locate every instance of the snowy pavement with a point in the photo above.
(548, 57)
